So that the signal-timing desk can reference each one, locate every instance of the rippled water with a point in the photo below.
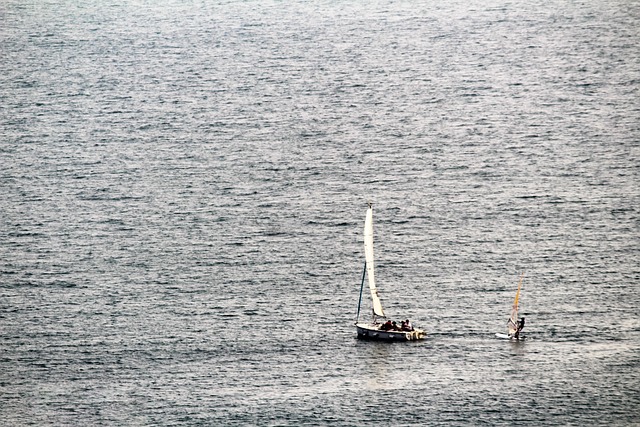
(184, 187)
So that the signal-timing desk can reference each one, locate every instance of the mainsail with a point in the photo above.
(512, 324)
(368, 251)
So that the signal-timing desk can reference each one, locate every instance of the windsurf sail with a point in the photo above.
(368, 251)
(512, 324)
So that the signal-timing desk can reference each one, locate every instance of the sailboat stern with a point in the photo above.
(417, 334)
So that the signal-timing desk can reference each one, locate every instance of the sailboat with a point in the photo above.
(512, 323)
(375, 329)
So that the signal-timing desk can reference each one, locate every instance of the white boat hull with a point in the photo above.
(372, 332)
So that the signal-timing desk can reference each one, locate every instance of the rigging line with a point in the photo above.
(361, 287)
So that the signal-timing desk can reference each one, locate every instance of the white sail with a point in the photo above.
(368, 250)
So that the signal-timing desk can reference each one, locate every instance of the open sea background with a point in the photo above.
(184, 185)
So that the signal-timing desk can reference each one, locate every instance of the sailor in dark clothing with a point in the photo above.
(520, 327)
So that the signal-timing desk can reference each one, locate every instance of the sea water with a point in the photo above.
(184, 186)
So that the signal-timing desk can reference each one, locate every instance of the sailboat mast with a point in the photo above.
(361, 287)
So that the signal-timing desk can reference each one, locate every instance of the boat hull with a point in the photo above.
(372, 332)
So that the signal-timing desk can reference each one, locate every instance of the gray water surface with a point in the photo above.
(184, 186)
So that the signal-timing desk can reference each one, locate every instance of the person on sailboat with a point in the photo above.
(406, 325)
(520, 327)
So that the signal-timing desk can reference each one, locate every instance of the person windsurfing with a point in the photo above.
(520, 327)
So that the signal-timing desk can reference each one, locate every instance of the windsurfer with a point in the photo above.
(520, 327)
